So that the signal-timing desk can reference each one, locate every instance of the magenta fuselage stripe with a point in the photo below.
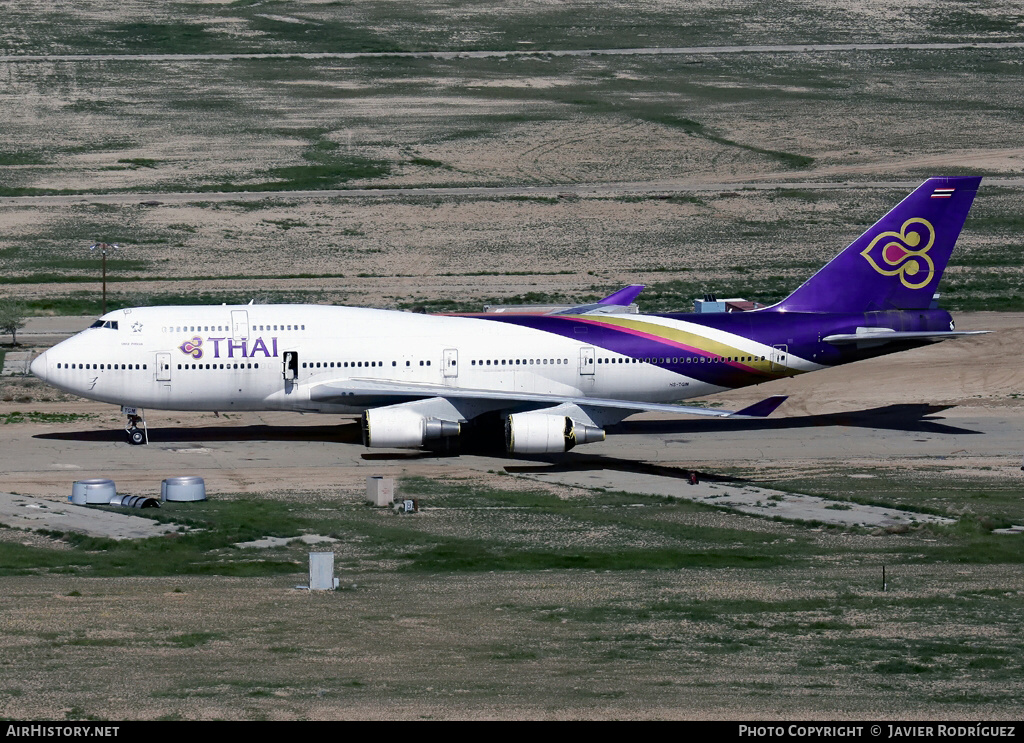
(667, 341)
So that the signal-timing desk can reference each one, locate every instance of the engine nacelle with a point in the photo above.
(401, 428)
(540, 433)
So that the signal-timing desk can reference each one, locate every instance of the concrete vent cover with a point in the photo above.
(97, 491)
(187, 488)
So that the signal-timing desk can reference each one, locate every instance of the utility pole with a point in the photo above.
(105, 250)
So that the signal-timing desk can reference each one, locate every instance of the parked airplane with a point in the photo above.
(553, 380)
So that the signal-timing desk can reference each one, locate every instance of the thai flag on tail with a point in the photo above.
(942, 193)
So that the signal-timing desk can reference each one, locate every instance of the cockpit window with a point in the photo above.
(97, 324)
(112, 324)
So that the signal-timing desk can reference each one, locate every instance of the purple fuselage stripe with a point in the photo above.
(800, 333)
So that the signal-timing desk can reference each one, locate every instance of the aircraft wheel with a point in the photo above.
(136, 437)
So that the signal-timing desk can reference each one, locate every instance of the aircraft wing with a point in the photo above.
(375, 392)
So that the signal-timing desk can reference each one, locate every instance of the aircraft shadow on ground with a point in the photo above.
(344, 433)
(912, 418)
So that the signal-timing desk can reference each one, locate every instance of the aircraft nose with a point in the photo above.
(39, 366)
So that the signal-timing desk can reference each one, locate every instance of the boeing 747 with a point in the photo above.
(553, 381)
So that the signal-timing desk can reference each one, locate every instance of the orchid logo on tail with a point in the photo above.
(193, 347)
(903, 253)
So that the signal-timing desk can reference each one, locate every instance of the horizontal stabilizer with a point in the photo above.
(614, 304)
(761, 409)
(624, 296)
(879, 336)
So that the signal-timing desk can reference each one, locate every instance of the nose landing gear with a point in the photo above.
(136, 436)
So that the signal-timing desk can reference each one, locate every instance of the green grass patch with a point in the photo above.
(193, 639)
(328, 166)
(33, 416)
(466, 528)
(696, 129)
(428, 163)
(928, 488)
(163, 38)
(139, 162)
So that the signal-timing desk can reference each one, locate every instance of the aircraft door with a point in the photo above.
(239, 324)
(587, 360)
(451, 363)
(779, 356)
(163, 367)
(291, 366)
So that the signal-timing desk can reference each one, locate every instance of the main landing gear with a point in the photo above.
(136, 436)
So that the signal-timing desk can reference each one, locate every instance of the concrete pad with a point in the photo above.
(1015, 529)
(16, 363)
(26, 512)
(282, 541)
(744, 498)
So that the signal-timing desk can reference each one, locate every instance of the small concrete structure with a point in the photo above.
(186, 488)
(380, 491)
(321, 571)
(98, 491)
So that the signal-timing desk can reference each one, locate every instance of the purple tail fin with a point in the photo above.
(897, 263)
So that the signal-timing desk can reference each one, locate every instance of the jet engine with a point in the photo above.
(401, 428)
(539, 433)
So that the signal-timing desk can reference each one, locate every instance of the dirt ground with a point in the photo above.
(496, 646)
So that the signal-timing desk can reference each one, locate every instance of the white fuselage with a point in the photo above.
(237, 357)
